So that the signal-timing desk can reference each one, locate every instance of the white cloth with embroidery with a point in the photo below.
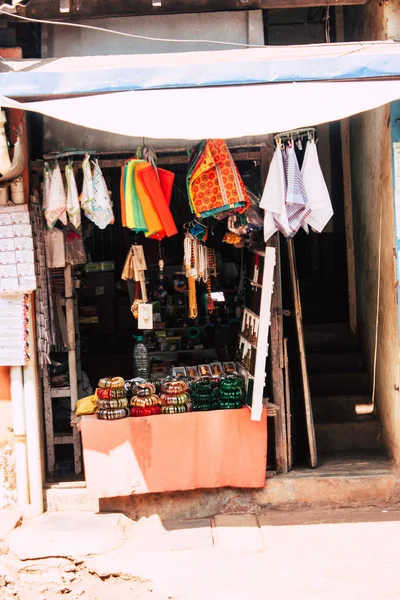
(73, 206)
(56, 201)
(87, 195)
(316, 190)
(102, 212)
(47, 173)
(273, 198)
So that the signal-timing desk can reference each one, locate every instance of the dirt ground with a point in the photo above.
(57, 578)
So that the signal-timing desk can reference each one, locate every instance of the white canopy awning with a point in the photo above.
(218, 112)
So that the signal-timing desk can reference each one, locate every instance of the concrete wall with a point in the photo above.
(371, 157)
(5, 404)
(240, 26)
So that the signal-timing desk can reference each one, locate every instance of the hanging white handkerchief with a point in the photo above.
(56, 201)
(73, 206)
(296, 198)
(102, 213)
(316, 190)
(87, 195)
(47, 173)
(273, 198)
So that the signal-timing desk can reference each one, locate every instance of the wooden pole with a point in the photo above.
(276, 345)
(73, 377)
(302, 353)
(288, 406)
(347, 195)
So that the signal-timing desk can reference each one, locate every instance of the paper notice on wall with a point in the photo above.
(145, 316)
(396, 156)
(17, 259)
(14, 330)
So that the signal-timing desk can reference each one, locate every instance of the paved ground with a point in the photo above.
(320, 555)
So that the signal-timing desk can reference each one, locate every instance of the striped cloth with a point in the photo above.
(284, 199)
(297, 206)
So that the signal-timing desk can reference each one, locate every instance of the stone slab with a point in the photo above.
(9, 520)
(59, 498)
(68, 534)
(192, 534)
(327, 561)
(237, 533)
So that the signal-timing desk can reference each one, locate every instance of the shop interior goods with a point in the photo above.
(169, 266)
(111, 399)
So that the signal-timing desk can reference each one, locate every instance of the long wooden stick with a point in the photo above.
(303, 362)
(288, 406)
(73, 377)
(347, 195)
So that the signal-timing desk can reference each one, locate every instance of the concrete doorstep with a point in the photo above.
(76, 534)
(73, 534)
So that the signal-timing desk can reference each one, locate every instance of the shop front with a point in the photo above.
(169, 306)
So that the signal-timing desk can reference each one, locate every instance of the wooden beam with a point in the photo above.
(347, 197)
(302, 355)
(277, 365)
(49, 9)
(276, 338)
(170, 159)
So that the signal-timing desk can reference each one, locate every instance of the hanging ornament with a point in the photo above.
(191, 270)
(212, 272)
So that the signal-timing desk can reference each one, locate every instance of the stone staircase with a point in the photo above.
(340, 390)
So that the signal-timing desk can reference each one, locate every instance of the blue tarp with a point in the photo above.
(74, 76)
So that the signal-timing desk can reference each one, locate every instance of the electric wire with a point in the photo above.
(130, 35)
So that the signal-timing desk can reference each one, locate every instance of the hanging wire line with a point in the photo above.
(130, 35)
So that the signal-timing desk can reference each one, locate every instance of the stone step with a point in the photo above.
(69, 496)
(335, 384)
(362, 434)
(329, 337)
(68, 534)
(340, 479)
(331, 409)
(318, 312)
(335, 362)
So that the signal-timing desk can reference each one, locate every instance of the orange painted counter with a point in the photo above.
(174, 452)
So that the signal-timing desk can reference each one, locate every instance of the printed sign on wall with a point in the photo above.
(17, 262)
(14, 323)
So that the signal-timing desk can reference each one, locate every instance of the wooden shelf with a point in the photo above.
(63, 438)
(247, 341)
(64, 392)
(174, 352)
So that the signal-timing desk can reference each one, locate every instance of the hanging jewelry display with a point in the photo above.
(134, 268)
(191, 271)
(199, 265)
(212, 272)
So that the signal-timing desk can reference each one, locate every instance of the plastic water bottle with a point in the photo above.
(141, 363)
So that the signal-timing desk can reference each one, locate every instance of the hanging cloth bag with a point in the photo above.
(316, 190)
(57, 201)
(73, 206)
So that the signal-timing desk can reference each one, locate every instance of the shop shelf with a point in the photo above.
(63, 392)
